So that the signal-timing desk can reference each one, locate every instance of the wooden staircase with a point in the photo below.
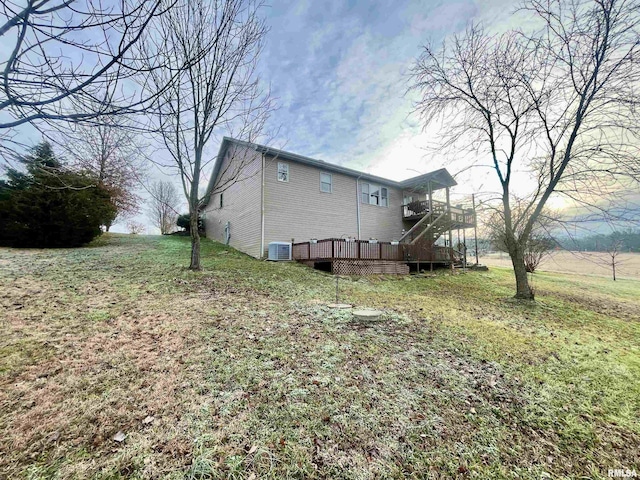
(427, 224)
(435, 219)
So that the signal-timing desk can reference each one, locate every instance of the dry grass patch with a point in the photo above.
(241, 372)
(103, 379)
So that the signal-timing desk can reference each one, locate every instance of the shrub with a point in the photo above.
(48, 205)
(536, 248)
(184, 222)
(135, 228)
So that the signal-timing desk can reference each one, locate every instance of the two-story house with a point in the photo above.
(258, 195)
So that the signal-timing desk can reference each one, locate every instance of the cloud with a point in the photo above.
(339, 71)
(344, 97)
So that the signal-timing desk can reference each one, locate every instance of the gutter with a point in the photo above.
(262, 210)
(358, 205)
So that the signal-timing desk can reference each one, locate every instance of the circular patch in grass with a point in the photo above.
(367, 315)
(340, 305)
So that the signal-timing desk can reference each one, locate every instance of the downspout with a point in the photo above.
(358, 205)
(262, 210)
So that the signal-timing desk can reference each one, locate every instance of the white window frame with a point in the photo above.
(367, 197)
(364, 194)
(374, 194)
(283, 168)
(330, 183)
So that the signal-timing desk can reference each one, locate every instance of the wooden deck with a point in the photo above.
(361, 257)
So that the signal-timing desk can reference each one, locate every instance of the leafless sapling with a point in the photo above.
(206, 54)
(163, 206)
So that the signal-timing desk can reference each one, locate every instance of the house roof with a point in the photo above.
(439, 178)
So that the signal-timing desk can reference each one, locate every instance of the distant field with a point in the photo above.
(582, 263)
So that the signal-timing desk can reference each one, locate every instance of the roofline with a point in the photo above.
(425, 177)
(227, 141)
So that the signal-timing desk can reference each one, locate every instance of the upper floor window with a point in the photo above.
(221, 199)
(374, 194)
(283, 172)
(326, 184)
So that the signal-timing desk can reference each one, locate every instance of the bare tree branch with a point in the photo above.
(71, 60)
(559, 103)
(205, 53)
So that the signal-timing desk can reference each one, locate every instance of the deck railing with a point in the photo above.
(338, 248)
(421, 208)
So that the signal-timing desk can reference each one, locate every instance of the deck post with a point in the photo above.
(464, 243)
(475, 227)
(358, 249)
(450, 231)
(332, 254)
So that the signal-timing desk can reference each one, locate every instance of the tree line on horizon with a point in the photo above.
(628, 240)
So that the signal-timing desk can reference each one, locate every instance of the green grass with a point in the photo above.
(248, 374)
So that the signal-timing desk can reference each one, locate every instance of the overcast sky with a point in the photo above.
(339, 71)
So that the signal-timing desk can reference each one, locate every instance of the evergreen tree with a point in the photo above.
(48, 205)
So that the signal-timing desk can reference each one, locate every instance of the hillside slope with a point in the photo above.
(242, 371)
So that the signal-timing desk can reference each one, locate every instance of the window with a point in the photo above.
(283, 172)
(325, 182)
(374, 194)
(221, 200)
(384, 197)
(365, 193)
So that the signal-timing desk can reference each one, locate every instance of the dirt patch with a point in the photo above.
(600, 304)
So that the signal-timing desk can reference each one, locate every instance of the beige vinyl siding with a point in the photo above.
(382, 223)
(298, 209)
(241, 202)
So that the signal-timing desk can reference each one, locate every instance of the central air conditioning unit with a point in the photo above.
(279, 251)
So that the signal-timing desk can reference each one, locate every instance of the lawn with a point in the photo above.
(242, 371)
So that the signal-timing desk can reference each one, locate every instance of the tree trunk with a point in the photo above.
(195, 240)
(523, 290)
(613, 265)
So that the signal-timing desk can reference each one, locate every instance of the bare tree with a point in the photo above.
(558, 103)
(112, 153)
(162, 206)
(613, 250)
(61, 56)
(135, 228)
(540, 242)
(219, 42)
